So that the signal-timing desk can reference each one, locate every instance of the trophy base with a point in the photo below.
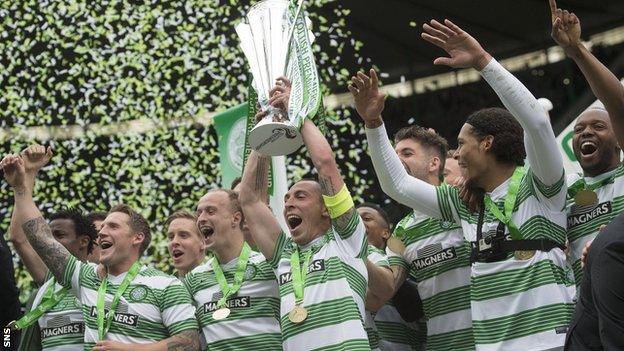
(275, 138)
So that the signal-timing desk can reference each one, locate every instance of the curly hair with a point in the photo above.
(381, 211)
(508, 143)
(138, 224)
(82, 225)
(429, 139)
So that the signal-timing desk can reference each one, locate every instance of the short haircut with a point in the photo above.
(235, 205)
(429, 140)
(82, 225)
(138, 224)
(379, 210)
(96, 216)
(508, 144)
(182, 214)
(235, 182)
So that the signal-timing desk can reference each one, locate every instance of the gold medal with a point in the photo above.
(221, 313)
(298, 314)
(585, 197)
(524, 255)
(396, 245)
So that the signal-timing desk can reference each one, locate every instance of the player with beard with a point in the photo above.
(518, 289)
(185, 243)
(431, 250)
(235, 292)
(321, 267)
(390, 330)
(152, 311)
(597, 196)
(51, 302)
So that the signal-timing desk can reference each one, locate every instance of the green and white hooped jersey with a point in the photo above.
(438, 258)
(378, 258)
(253, 323)
(584, 221)
(154, 307)
(334, 291)
(62, 326)
(519, 304)
(396, 334)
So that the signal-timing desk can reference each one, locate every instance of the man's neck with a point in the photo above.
(496, 176)
(231, 249)
(184, 271)
(596, 173)
(121, 267)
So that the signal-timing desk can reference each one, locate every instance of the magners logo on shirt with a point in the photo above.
(71, 328)
(432, 255)
(587, 215)
(315, 266)
(119, 317)
(237, 302)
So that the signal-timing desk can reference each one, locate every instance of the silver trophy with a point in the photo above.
(268, 38)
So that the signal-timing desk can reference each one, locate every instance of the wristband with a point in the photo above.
(338, 204)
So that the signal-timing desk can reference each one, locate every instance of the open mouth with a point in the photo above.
(177, 253)
(207, 231)
(588, 148)
(105, 244)
(293, 221)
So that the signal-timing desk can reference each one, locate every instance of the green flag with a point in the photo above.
(231, 127)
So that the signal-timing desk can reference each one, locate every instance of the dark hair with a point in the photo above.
(379, 210)
(508, 143)
(96, 216)
(235, 182)
(429, 139)
(82, 225)
(451, 153)
(138, 224)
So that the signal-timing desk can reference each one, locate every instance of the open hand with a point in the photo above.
(369, 101)
(14, 172)
(465, 51)
(36, 157)
(566, 28)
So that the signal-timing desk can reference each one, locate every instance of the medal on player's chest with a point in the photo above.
(298, 314)
(585, 197)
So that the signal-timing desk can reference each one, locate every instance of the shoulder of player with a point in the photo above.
(154, 277)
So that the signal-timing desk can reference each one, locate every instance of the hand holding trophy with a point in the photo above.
(275, 40)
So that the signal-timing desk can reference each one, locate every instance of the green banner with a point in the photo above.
(231, 132)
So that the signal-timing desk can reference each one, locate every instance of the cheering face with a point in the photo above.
(94, 256)
(117, 240)
(414, 158)
(216, 219)
(451, 171)
(185, 244)
(471, 154)
(594, 142)
(64, 231)
(377, 229)
(304, 211)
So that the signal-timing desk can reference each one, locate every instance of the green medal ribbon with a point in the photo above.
(241, 266)
(299, 274)
(510, 202)
(103, 327)
(49, 300)
(581, 184)
(423, 230)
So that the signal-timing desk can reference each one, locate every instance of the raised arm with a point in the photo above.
(393, 178)
(464, 51)
(53, 254)
(27, 254)
(566, 31)
(263, 225)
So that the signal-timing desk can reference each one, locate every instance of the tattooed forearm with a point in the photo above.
(185, 341)
(262, 174)
(53, 254)
(326, 186)
(343, 221)
(20, 191)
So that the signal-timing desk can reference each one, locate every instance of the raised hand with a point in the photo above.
(36, 157)
(369, 101)
(14, 172)
(280, 94)
(566, 27)
(465, 51)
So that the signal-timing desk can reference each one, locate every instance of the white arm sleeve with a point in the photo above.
(539, 139)
(394, 179)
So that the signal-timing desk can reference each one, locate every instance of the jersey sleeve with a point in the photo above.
(396, 259)
(75, 272)
(450, 205)
(176, 306)
(352, 238)
(377, 256)
(282, 242)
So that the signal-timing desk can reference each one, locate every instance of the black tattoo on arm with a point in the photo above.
(187, 340)
(53, 254)
(262, 174)
(326, 186)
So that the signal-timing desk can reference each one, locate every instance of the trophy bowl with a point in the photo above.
(274, 137)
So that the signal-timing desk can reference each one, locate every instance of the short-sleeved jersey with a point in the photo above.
(437, 256)
(518, 304)
(253, 323)
(334, 290)
(154, 307)
(378, 258)
(396, 334)
(584, 221)
(62, 326)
